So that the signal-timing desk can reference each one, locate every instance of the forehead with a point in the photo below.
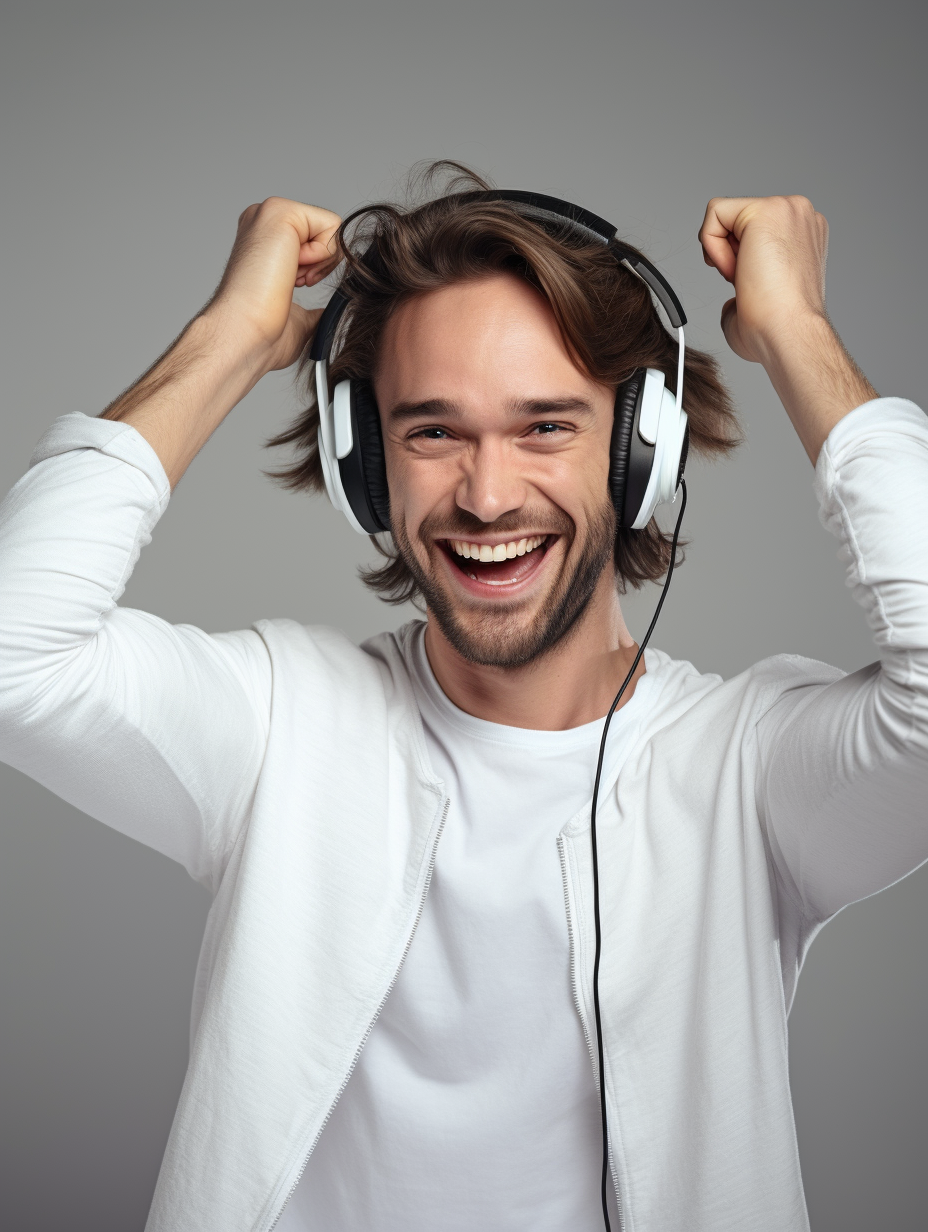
(492, 337)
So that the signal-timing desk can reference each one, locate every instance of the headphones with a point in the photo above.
(650, 436)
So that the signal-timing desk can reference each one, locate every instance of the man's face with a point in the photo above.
(497, 452)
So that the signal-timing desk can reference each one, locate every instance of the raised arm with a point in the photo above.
(156, 729)
(844, 767)
(250, 327)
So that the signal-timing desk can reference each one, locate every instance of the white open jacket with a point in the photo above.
(285, 768)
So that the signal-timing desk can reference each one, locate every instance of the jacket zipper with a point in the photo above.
(575, 985)
(377, 1013)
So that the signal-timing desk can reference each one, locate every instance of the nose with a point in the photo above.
(491, 483)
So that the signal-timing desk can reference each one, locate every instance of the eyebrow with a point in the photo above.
(441, 408)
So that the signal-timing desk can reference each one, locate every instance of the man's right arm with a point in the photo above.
(156, 729)
(250, 327)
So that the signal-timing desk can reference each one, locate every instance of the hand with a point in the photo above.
(772, 249)
(280, 245)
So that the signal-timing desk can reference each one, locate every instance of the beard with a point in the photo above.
(498, 634)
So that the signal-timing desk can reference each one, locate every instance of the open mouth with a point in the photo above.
(500, 564)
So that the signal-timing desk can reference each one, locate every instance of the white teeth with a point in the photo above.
(502, 551)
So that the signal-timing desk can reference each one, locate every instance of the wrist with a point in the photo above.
(793, 336)
(233, 339)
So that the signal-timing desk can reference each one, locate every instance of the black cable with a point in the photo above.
(596, 921)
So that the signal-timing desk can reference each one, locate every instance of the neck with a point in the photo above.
(571, 684)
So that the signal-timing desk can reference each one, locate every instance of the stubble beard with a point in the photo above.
(515, 634)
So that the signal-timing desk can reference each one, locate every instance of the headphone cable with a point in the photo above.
(595, 849)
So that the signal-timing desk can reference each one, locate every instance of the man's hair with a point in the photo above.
(605, 314)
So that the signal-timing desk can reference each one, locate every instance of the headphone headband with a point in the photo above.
(583, 220)
(551, 208)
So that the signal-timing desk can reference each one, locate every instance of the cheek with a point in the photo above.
(596, 470)
(417, 488)
(578, 483)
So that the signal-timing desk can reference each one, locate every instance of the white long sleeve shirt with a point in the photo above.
(744, 813)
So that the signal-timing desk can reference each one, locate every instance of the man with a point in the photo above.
(392, 1017)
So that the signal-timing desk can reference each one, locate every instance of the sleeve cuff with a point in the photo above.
(119, 440)
(875, 418)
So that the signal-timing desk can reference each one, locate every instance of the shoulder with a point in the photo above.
(700, 731)
(682, 693)
(322, 657)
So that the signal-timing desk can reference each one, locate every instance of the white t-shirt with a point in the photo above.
(473, 1105)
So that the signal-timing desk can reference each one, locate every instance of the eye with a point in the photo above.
(546, 429)
(431, 434)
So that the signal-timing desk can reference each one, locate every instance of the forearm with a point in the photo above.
(815, 378)
(70, 533)
(155, 729)
(848, 764)
(184, 397)
(251, 326)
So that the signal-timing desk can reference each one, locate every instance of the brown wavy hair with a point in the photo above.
(605, 314)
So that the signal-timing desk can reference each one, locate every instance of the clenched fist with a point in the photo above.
(280, 245)
(772, 249)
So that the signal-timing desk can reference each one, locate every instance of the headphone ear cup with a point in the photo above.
(369, 443)
(627, 403)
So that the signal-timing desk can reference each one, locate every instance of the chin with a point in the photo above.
(515, 633)
(500, 636)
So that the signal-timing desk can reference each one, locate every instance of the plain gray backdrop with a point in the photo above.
(132, 137)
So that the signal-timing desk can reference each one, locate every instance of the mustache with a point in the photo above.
(462, 525)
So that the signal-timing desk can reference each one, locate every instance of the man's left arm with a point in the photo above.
(844, 779)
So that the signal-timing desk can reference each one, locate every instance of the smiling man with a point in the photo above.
(393, 1022)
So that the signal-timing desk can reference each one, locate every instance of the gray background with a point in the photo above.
(132, 137)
